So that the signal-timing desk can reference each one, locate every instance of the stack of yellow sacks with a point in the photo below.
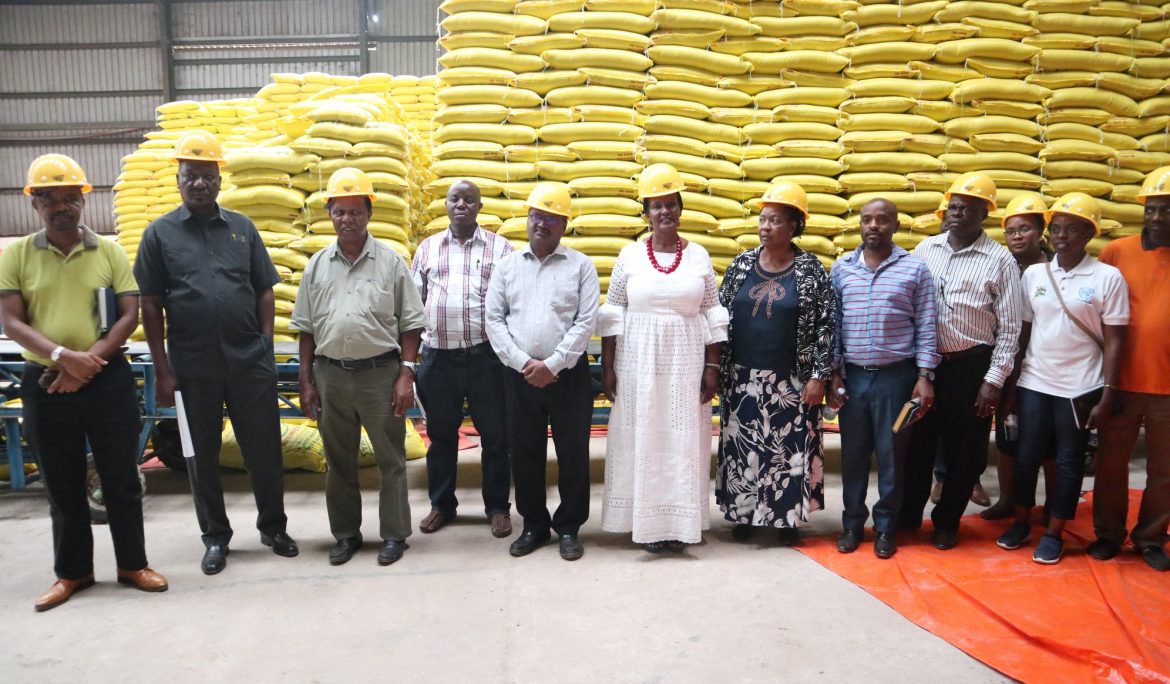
(485, 128)
(597, 73)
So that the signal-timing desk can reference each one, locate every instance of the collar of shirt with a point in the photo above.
(334, 251)
(982, 244)
(1083, 267)
(476, 236)
(855, 257)
(185, 214)
(89, 239)
(561, 250)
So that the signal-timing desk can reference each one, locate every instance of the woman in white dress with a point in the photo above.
(661, 327)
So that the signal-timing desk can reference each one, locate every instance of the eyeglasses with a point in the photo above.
(942, 293)
(1012, 232)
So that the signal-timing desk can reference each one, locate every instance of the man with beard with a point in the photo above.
(1144, 388)
(206, 277)
(77, 386)
(541, 307)
(360, 319)
(978, 301)
(886, 354)
(452, 270)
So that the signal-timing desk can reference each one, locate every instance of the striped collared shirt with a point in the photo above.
(452, 278)
(885, 315)
(978, 292)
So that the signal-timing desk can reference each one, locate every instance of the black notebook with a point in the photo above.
(107, 309)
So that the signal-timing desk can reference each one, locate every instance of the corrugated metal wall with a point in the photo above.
(83, 78)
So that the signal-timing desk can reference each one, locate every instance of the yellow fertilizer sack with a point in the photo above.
(722, 64)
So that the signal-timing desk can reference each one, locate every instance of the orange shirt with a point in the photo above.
(1145, 361)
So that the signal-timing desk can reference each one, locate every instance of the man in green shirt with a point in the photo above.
(77, 385)
(361, 320)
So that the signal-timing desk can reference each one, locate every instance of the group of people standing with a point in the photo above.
(474, 321)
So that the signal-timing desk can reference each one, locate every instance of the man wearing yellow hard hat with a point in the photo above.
(1143, 388)
(205, 274)
(361, 321)
(77, 386)
(1075, 313)
(977, 286)
(541, 307)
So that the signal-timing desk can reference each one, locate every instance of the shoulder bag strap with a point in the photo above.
(1060, 298)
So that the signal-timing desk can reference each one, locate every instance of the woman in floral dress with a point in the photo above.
(773, 372)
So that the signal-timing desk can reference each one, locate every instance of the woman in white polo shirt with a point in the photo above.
(1075, 313)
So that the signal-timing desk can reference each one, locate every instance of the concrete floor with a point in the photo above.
(457, 608)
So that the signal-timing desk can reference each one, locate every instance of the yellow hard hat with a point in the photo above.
(1025, 203)
(199, 145)
(787, 193)
(1157, 184)
(550, 197)
(55, 171)
(350, 182)
(659, 180)
(942, 209)
(1080, 205)
(974, 185)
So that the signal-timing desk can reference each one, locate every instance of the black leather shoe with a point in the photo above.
(742, 532)
(281, 543)
(788, 536)
(1104, 549)
(944, 540)
(884, 545)
(528, 542)
(1156, 558)
(654, 547)
(571, 548)
(848, 541)
(344, 550)
(392, 550)
(214, 559)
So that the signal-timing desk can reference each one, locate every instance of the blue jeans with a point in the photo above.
(1045, 420)
(445, 379)
(875, 398)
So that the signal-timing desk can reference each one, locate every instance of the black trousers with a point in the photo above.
(567, 407)
(104, 412)
(952, 430)
(252, 406)
(445, 379)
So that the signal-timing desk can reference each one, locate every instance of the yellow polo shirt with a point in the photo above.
(60, 290)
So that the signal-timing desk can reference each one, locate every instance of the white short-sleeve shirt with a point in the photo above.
(1061, 359)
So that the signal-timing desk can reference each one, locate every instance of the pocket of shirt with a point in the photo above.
(179, 260)
(564, 295)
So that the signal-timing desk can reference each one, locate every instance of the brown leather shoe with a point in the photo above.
(435, 521)
(501, 525)
(979, 496)
(61, 591)
(143, 580)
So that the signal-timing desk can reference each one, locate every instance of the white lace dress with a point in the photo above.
(658, 455)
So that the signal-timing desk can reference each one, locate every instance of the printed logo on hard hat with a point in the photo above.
(668, 185)
(548, 204)
(347, 188)
(197, 151)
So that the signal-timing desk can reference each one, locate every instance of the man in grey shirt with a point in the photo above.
(541, 307)
(361, 321)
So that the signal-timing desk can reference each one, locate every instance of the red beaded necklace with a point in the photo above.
(678, 249)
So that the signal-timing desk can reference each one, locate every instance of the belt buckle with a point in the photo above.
(347, 364)
(871, 369)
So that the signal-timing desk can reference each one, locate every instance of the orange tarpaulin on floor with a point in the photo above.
(1078, 621)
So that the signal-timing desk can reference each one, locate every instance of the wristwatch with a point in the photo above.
(926, 373)
(55, 355)
(412, 365)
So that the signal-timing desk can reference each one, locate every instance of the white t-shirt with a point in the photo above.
(1061, 359)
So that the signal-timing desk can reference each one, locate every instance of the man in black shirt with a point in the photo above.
(203, 270)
